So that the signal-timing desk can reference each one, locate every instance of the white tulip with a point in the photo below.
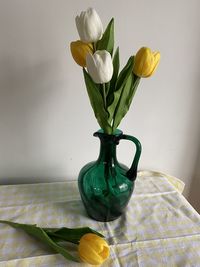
(89, 26)
(99, 66)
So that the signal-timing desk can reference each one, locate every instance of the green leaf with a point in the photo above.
(116, 65)
(69, 234)
(107, 41)
(126, 97)
(97, 103)
(110, 96)
(107, 86)
(121, 81)
(40, 234)
(133, 90)
(125, 73)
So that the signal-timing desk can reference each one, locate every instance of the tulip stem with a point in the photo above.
(104, 95)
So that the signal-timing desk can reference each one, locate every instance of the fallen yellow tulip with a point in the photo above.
(93, 249)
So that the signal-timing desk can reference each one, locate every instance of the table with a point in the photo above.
(159, 228)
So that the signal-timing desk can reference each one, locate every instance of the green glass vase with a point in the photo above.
(105, 185)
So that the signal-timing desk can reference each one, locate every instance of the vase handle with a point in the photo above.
(132, 172)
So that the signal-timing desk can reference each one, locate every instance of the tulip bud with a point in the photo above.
(146, 62)
(89, 26)
(93, 249)
(100, 66)
(79, 52)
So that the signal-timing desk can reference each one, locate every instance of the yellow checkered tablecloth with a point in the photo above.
(159, 227)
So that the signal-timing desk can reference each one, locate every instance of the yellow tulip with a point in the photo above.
(146, 62)
(79, 51)
(93, 249)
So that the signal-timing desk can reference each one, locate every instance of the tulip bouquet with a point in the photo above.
(110, 91)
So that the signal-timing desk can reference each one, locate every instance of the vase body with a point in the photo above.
(105, 185)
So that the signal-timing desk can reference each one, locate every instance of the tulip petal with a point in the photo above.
(148, 65)
(94, 30)
(92, 68)
(146, 62)
(79, 27)
(79, 51)
(105, 252)
(100, 66)
(156, 62)
(88, 254)
(104, 65)
(89, 26)
(93, 249)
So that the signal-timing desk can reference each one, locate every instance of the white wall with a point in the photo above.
(46, 122)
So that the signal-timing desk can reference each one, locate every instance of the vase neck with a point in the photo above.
(107, 152)
(108, 144)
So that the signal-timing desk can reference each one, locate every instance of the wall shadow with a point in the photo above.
(194, 191)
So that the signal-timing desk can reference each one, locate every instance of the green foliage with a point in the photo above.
(119, 86)
(128, 90)
(119, 92)
(107, 40)
(97, 103)
(51, 236)
(40, 234)
(116, 64)
(126, 71)
(69, 234)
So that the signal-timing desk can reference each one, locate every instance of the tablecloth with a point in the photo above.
(158, 228)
